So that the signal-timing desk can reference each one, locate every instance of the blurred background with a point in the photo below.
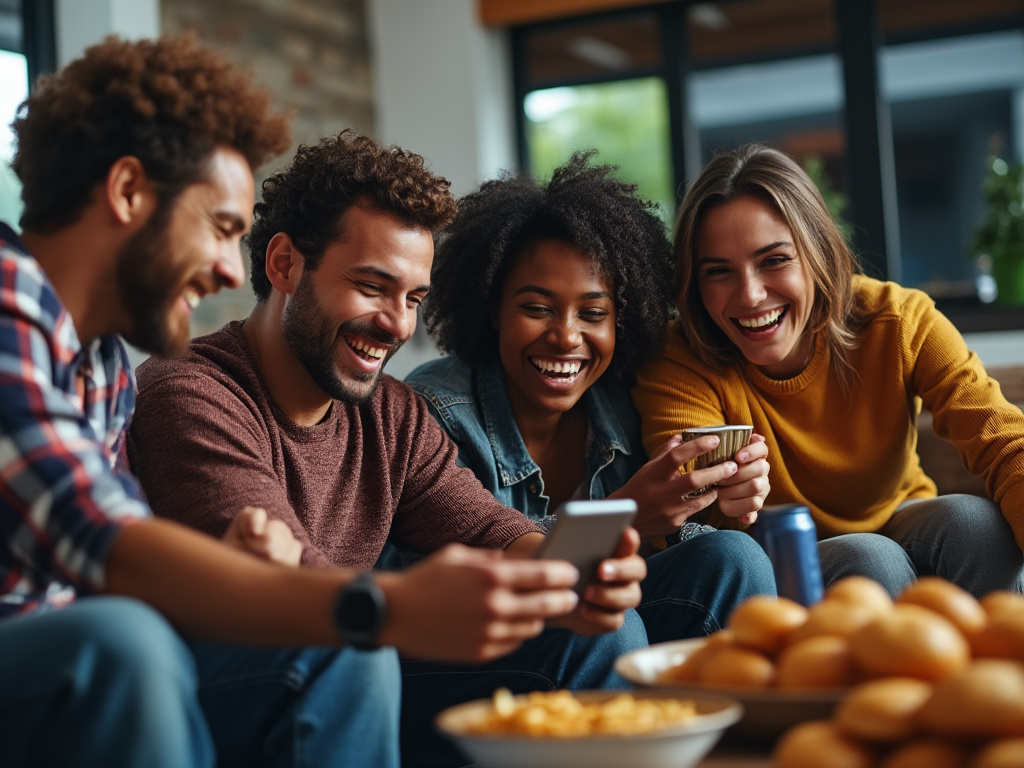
(897, 108)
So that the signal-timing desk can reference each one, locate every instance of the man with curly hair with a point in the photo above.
(290, 407)
(549, 295)
(136, 163)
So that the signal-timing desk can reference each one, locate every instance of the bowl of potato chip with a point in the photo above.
(589, 729)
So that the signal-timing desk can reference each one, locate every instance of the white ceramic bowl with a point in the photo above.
(681, 746)
(767, 713)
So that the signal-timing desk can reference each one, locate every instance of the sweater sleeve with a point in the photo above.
(441, 501)
(967, 406)
(221, 456)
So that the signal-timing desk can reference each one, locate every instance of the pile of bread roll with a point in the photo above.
(775, 642)
(934, 679)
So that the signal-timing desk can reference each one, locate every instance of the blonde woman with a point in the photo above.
(779, 329)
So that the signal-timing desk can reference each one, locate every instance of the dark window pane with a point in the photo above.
(746, 30)
(953, 102)
(613, 47)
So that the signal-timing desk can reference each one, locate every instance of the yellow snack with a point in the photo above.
(764, 622)
(883, 710)
(861, 591)
(817, 662)
(927, 753)
(910, 641)
(560, 714)
(819, 744)
(946, 598)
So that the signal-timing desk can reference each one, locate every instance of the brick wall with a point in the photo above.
(311, 53)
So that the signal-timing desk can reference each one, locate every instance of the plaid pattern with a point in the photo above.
(63, 413)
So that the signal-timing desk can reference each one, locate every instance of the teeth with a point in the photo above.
(760, 322)
(191, 297)
(366, 349)
(571, 368)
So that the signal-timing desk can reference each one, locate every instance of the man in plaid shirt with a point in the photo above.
(136, 168)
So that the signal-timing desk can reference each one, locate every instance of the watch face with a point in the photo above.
(359, 612)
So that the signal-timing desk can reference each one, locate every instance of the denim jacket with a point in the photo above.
(472, 406)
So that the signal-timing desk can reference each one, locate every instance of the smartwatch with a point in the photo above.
(360, 612)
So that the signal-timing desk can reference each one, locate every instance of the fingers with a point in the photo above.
(671, 443)
(685, 452)
(254, 521)
(752, 451)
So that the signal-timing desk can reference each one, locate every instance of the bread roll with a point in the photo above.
(986, 700)
(1005, 753)
(689, 670)
(833, 617)
(910, 641)
(738, 667)
(817, 662)
(1001, 638)
(764, 622)
(819, 744)
(927, 753)
(946, 598)
(1002, 601)
(883, 710)
(862, 591)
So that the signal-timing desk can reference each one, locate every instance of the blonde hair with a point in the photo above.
(775, 178)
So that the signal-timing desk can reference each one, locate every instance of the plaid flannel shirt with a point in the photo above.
(63, 413)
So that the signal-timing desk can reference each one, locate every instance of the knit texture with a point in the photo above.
(853, 458)
(207, 440)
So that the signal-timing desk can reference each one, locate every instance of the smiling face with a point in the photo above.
(556, 328)
(189, 250)
(350, 315)
(755, 285)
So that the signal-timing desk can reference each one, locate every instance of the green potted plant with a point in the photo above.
(1000, 236)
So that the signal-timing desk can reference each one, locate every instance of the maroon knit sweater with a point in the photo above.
(206, 440)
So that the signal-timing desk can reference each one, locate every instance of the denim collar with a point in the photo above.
(513, 461)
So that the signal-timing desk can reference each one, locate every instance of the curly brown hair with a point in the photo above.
(582, 204)
(308, 200)
(170, 102)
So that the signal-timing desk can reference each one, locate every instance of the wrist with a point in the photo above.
(361, 612)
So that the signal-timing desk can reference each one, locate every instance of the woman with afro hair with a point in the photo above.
(548, 298)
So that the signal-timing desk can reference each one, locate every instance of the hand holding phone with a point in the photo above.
(586, 533)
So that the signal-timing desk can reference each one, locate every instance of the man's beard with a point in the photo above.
(313, 340)
(148, 289)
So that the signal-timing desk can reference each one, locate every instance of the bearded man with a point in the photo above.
(291, 407)
(121, 634)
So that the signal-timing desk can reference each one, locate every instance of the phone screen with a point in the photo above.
(586, 533)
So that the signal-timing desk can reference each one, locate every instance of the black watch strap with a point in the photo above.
(360, 612)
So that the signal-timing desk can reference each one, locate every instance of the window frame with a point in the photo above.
(868, 158)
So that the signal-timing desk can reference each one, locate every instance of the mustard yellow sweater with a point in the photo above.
(853, 458)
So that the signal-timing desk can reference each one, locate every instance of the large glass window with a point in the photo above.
(13, 90)
(670, 84)
(607, 96)
(626, 121)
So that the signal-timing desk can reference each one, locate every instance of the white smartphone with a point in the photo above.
(586, 533)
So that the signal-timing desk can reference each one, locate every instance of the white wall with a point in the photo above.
(443, 89)
(81, 23)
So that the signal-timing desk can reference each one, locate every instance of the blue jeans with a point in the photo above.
(556, 659)
(107, 682)
(962, 538)
(103, 682)
(693, 587)
(301, 707)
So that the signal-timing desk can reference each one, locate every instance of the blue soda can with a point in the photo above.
(787, 535)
